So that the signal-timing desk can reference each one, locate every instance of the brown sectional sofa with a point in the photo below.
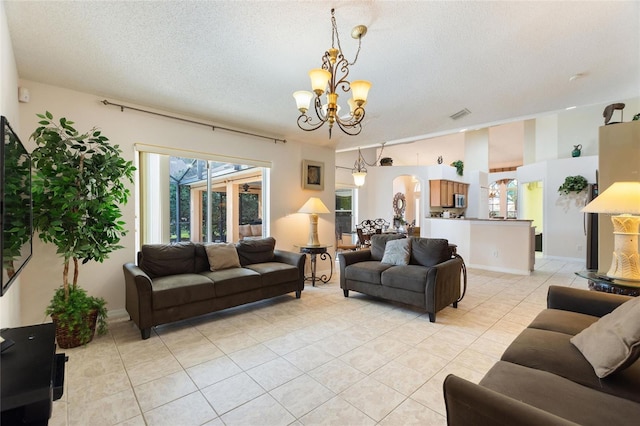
(543, 379)
(173, 282)
(431, 280)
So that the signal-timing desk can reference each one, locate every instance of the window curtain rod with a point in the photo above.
(122, 108)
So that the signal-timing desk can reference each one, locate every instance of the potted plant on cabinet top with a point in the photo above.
(78, 187)
(459, 165)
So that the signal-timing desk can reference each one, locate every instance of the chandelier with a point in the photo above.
(333, 75)
(359, 170)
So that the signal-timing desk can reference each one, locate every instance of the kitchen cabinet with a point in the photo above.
(441, 192)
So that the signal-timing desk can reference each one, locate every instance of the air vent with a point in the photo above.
(458, 115)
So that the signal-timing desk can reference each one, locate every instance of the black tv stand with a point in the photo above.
(32, 375)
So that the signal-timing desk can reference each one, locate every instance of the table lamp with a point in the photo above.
(313, 207)
(623, 200)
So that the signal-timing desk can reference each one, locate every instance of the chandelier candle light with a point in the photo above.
(333, 74)
(623, 200)
(313, 207)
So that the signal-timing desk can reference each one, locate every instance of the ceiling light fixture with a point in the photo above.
(359, 170)
(333, 74)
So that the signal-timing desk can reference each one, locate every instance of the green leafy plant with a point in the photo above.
(79, 184)
(72, 311)
(573, 184)
(459, 165)
(636, 117)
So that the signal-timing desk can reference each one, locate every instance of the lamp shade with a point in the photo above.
(314, 205)
(619, 198)
(319, 79)
(358, 178)
(303, 99)
(360, 89)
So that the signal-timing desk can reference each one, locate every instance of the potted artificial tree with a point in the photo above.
(78, 188)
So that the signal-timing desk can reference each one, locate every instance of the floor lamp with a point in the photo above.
(622, 199)
(313, 207)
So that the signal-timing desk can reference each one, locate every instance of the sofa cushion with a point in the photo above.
(566, 322)
(560, 396)
(256, 251)
(244, 231)
(222, 256)
(159, 260)
(368, 271)
(181, 289)
(397, 252)
(274, 273)
(407, 277)
(612, 343)
(234, 280)
(553, 352)
(256, 230)
(201, 261)
(378, 243)
(429, 251)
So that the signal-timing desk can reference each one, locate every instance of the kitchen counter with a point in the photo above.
(502, 245)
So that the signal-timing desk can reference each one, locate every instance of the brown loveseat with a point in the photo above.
(430, 279)
(543, 379)
(172, 282)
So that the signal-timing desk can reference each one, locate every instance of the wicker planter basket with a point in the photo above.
(71, 338)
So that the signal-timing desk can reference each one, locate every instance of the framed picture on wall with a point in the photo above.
(313, 175)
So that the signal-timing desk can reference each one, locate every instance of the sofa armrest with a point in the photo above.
(346, 258)
(138, 295)
(443, 285)
(470, 404)
(583, 301)
(291, 258)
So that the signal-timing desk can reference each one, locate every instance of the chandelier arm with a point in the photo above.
(305, 120)
(354, 120)
(344, 84)
(317, 105)
(350, 129)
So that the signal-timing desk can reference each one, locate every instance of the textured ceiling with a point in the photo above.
(237, 63)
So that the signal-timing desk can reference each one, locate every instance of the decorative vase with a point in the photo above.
(576, 150)
(386, 161)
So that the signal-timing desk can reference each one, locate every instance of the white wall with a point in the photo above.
(580, 126)
(127, 128)
(476, 150)
(10, 302)
(562, 219)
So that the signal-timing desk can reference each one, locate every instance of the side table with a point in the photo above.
(32, 375)
(605, 284)
(313, 252)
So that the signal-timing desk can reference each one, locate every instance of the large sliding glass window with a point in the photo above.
(190, 199)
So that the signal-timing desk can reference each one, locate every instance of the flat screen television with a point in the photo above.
(16, 212)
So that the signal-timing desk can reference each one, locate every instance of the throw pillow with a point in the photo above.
(612, 343)
(222, 256)
(397, 252)
(378, 243)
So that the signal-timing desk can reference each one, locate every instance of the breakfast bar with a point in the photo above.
(502, 245)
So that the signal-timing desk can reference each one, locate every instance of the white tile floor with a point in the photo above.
(322, 359)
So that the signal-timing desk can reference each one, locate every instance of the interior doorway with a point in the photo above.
(532, 208)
